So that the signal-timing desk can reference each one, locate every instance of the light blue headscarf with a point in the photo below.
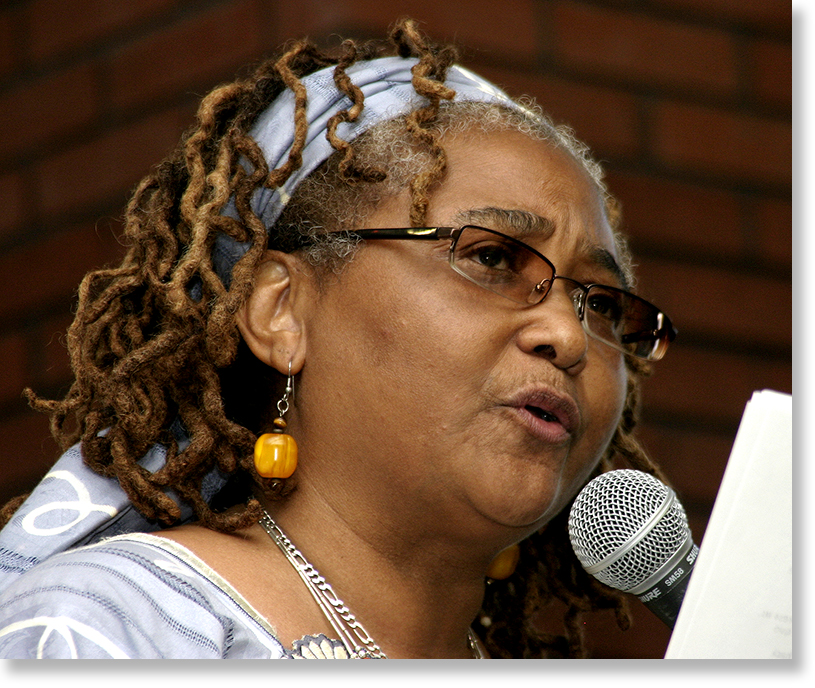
(387, 86)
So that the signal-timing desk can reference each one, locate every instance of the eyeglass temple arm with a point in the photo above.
(429, 233)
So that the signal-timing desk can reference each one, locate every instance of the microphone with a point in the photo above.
(630, 532)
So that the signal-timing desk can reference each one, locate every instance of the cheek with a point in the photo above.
(417, 317)
(608, 390)
(397, 332)
(606, 386)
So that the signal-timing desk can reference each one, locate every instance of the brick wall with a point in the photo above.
(687, 101)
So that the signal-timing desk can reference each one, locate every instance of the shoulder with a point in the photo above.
(130, 596)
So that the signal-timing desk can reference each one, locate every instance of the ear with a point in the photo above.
(271, 320)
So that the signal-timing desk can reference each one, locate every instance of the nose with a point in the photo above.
(554, 331)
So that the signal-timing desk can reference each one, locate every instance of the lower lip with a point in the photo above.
(551, 432)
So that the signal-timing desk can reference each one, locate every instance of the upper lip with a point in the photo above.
(560, 405)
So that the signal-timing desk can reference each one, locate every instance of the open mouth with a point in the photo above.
(548, 415)
(543, 415)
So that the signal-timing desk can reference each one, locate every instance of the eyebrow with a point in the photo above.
(603, 258)
(526, 224)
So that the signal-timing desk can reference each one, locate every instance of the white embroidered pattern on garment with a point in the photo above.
(65, 627)
(83, 506)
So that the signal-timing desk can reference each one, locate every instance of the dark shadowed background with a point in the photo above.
(687, 102)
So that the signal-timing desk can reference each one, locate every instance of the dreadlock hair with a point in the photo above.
(147, 356)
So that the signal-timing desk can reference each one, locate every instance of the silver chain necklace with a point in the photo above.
(351, 633)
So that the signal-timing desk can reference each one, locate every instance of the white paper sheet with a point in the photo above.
(739, 600)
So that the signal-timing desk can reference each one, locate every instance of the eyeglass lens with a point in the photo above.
(512, 269)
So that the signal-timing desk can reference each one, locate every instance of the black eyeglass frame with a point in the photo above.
(661, 336)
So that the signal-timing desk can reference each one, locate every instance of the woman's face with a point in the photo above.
(424, 396)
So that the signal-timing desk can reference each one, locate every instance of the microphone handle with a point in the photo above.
(665, 598)
(667, 606)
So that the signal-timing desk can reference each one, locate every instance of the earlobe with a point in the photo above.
(271, 320)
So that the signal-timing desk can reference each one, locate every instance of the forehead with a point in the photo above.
(510, 182)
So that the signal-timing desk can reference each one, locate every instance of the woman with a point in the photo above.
(354, 255)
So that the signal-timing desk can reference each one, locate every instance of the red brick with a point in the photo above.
(774, 220)
(193, 52)
(643, 49)
(29, 453)
(753, 308)
(506, 27)
(762, 14)
(661, 211)
(693, 459)
(12, 206)
(106, 167)
(7, 57)
(772, 77)
(711, 387)
(50, 271)
(57, 25)
(36, 112)
(708, 141)
(576, 105)
(13, 377)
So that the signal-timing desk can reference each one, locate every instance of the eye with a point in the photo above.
(500, 264)
(605, 304)
(492, 256)
(495, 257)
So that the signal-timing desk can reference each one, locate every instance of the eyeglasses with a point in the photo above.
(508, 267)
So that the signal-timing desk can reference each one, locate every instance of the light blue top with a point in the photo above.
(130, 596)
(82, 577)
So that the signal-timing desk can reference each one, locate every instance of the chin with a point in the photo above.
(524, 487)
(530, 506)
(531, 498)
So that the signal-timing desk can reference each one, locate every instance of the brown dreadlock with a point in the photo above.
(148, 356)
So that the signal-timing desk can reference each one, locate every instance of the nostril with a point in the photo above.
(546, 350)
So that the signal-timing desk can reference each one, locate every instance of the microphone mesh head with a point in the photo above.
(610, 510)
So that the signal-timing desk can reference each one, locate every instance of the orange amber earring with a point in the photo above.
(503, 566)
(276, 452)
